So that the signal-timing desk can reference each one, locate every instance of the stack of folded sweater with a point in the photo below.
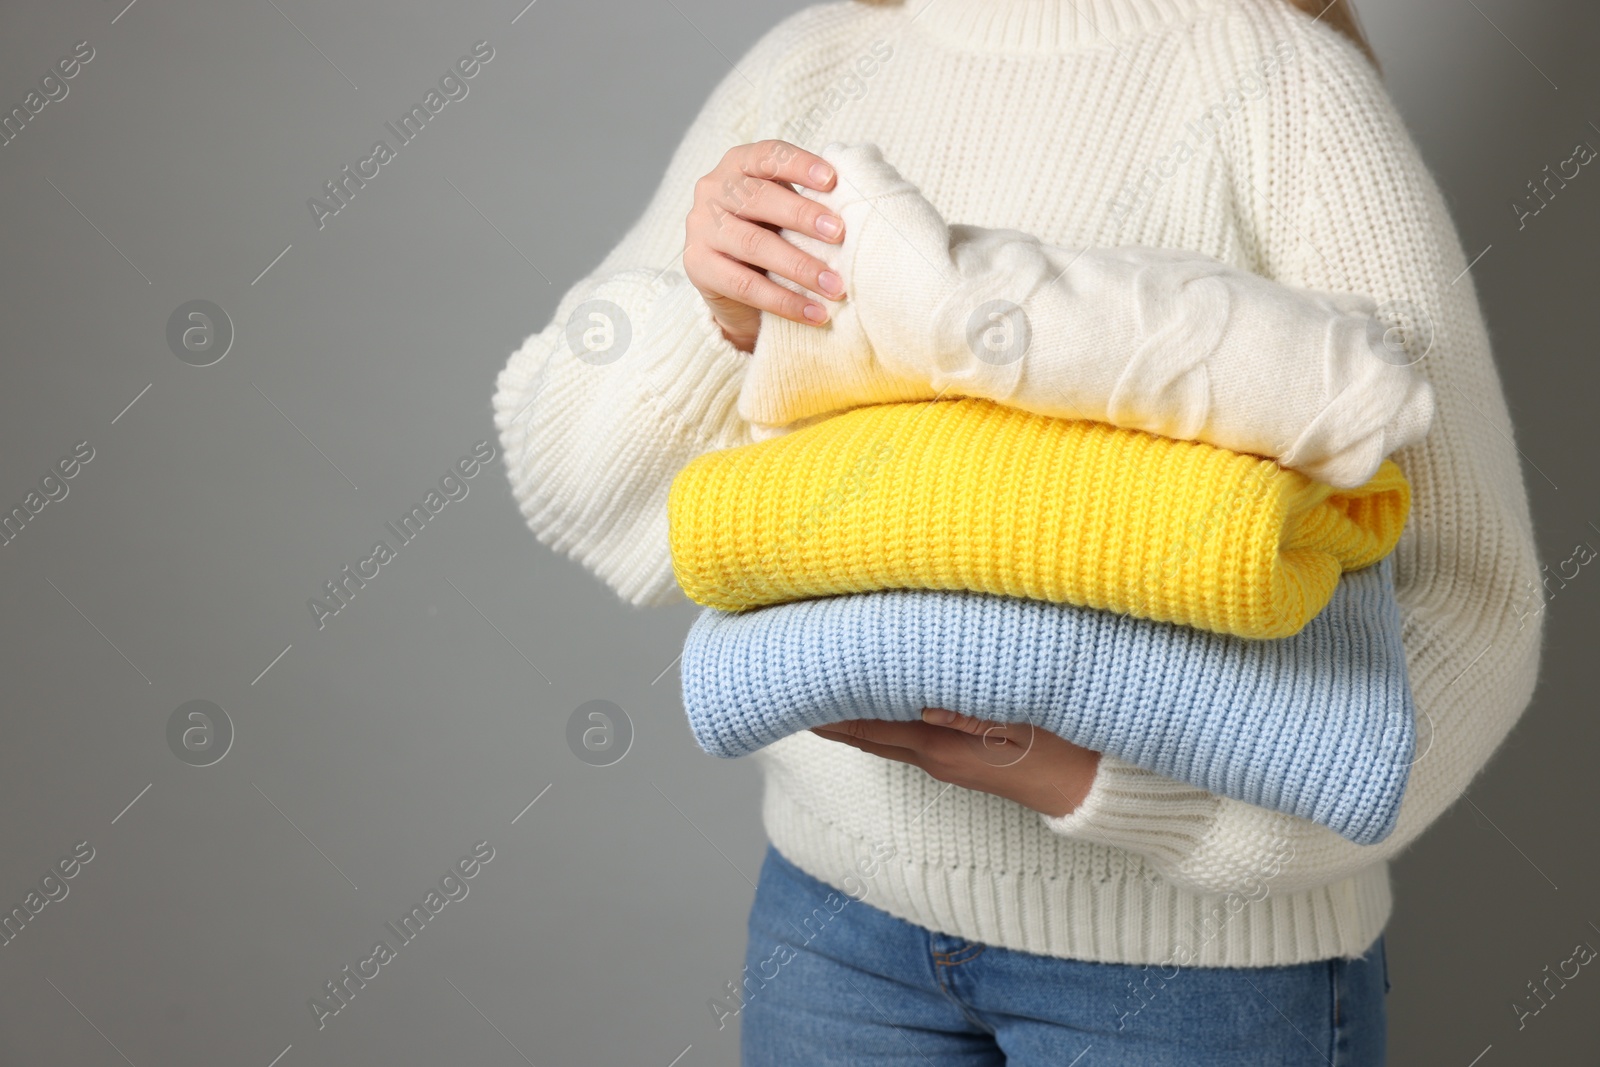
(1209, 614)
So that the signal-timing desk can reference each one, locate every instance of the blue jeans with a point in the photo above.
(847, 983)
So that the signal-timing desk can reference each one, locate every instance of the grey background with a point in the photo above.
(376, 751)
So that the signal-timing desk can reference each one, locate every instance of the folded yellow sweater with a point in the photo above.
(969, 494)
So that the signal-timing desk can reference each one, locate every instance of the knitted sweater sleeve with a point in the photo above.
(1372, 219)
(632, 377)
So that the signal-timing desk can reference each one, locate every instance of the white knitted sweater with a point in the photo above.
(1164, 340)
(1239, 129)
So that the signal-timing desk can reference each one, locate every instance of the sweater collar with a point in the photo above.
(1044, 25)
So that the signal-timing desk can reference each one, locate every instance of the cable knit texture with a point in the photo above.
(1319, 725)
(1166, 340)
(967, 494)
(1237, 129)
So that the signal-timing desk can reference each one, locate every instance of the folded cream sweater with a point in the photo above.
(1236, 129)
(1164, 340)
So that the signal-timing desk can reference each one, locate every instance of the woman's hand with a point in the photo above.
(731, 238)
(1033, 767)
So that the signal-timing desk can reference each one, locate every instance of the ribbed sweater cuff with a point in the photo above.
(589, 479)
(691, 369)
(1142, 812)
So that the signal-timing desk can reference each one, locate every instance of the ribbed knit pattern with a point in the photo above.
(1319, 725)
(967, 494)
(1238, 129)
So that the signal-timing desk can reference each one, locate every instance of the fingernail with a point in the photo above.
(938, 716)
(831, 283)
(828, 226)
(820, 173)
(815, 313)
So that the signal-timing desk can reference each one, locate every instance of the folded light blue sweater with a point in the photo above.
(1319, 725)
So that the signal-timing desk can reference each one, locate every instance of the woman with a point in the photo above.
(924, 901)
